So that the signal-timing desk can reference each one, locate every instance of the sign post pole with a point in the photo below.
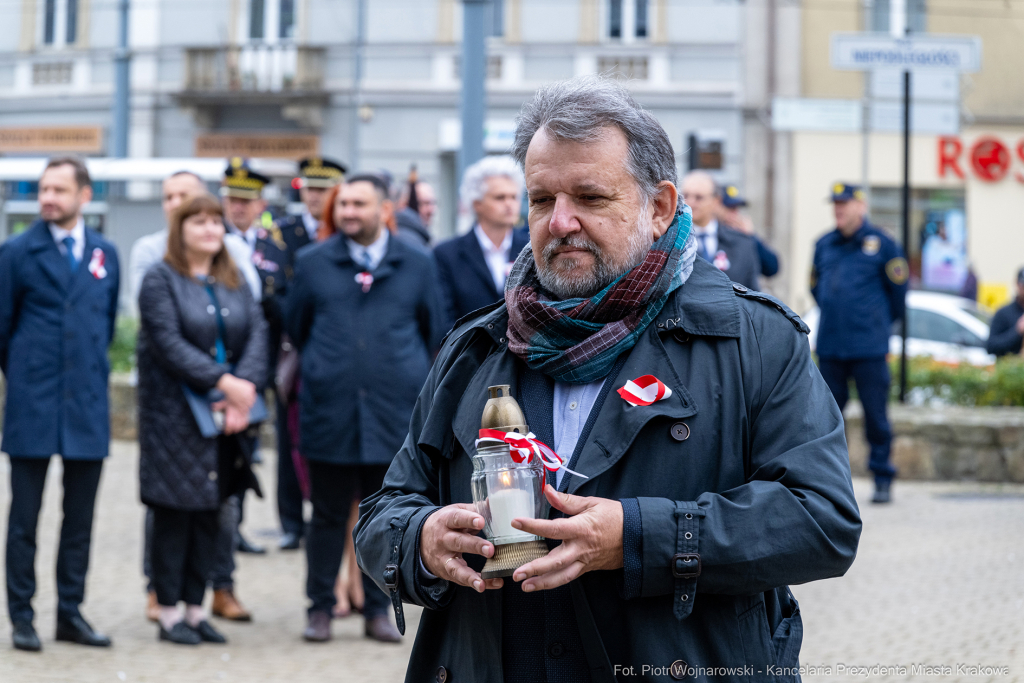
(906, 223)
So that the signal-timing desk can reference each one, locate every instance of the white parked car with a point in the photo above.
(948, 328)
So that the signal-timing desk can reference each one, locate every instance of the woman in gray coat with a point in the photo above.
(201, 329)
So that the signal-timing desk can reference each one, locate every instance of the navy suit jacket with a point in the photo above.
(55, 327)
(365, 355)
(466, 282)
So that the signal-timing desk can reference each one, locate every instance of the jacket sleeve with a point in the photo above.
(299, 306)
(114, 271)
(1003, 338)
(769, 259)
(816, 272)
(162, 324)
(430, 312)
(252, 365)
(143, 256)
(896, 276)
(9, 301)
(408, 496)
(795, 519)
(446, 289)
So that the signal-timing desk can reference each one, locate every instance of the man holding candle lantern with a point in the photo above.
(701, 463)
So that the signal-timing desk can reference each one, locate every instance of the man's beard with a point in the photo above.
(55, 215)
(559, 280)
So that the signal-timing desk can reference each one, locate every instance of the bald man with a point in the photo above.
(729, 250)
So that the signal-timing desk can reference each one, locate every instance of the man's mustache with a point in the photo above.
(572, 241)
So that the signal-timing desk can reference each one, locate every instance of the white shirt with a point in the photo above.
(496, 257)
(76, 233)
(374, 251)
(248, 235)
(312, 224)
(707, 237)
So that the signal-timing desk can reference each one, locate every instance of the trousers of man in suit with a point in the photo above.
(28, 479)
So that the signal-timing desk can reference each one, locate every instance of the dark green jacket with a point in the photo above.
(761, 485)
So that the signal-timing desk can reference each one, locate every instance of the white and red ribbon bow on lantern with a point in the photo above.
(643, 391)
(525, 446)
(96, 266)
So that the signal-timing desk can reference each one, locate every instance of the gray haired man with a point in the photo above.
(682, 516)
(472, 268)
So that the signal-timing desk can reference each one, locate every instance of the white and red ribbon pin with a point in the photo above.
(525, 446)
(643, 391)
(366, 280)
(96, 266)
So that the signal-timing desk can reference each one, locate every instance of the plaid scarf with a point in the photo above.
(578, 340)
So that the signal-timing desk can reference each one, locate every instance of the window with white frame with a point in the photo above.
(628, 20)
(58, 22)
(271, 21)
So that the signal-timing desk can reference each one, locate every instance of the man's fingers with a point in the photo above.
(456, 569)
(558, 529)
(462, 542)
(557, 559)
(463, 518)
(494, 584)
(567, 503)
(554, 579)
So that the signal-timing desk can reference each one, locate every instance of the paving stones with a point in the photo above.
(939, 580)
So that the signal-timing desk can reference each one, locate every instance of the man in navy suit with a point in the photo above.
(472, 268)
(58, 302)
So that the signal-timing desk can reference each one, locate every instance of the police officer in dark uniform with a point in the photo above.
(859, 280)
(1006, 336)
(274, 257)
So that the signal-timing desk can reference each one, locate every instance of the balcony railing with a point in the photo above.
(256, 69)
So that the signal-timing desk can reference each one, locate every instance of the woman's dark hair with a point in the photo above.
(223, 269)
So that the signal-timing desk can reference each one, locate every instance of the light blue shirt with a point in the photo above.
(572, 405)
(372, 253)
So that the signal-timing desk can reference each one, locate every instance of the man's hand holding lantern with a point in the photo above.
(446, 536)
(591, 540)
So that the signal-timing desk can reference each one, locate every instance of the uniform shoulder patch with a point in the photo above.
(897, 270)
(769, 300)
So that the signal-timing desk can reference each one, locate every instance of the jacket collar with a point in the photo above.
(396, 252)
(41, 244)
(473, 256)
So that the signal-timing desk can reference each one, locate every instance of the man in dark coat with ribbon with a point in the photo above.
(58, 300)
(679, 518)
(364, 313)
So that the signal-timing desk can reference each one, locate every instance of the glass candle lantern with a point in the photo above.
(505, 488)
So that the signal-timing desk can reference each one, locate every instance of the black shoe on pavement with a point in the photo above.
(77, 630)
(207, 633)
(181, 634)
(25, 637)
(318, 629)
(883, 493)
(289, 541)
(244, 546)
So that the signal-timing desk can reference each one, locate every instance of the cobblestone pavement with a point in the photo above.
(939, 581)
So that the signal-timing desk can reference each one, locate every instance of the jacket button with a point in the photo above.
(212, 476)
(680, 431)
(442, 675)
(556, 650)
(678, 670)
(211, 309)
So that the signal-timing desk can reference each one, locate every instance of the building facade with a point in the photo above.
(967, 184)
(285, 78)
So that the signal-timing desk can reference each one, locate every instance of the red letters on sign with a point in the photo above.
(990, 159)
(950, 149)
(1020, 155)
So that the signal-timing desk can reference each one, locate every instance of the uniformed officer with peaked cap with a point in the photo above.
(275, 255)
(859, 280)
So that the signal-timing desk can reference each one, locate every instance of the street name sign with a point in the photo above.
(867, 51)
